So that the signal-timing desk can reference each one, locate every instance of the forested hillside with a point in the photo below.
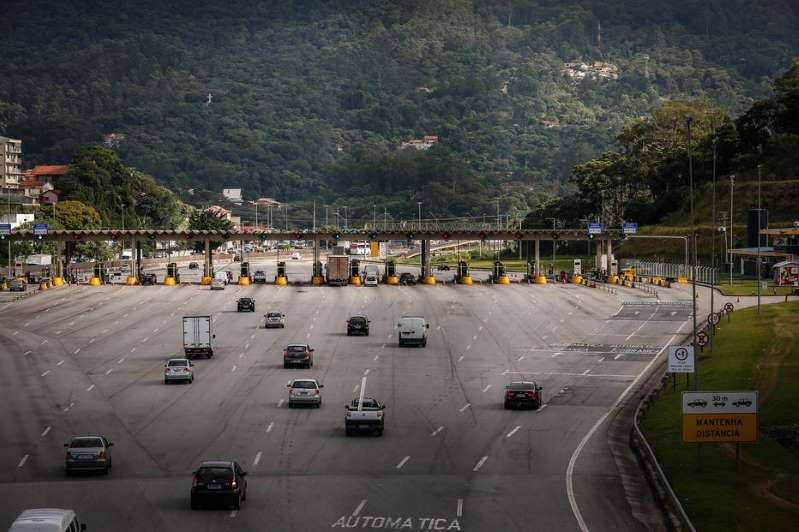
(312, 99)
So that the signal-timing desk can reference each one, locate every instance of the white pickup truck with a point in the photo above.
(369, 416)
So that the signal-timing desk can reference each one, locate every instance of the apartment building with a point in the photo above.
(10, 162)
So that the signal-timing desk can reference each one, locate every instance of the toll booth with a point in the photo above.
(462, 271)
(530, 275)
(391, 269)
(355, 268)
(172, 271)
(498, 271)
(245, 269)
(281, 269)
(99, 272)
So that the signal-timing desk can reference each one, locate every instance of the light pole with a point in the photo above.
(374, 216)
(693, 254)
(732, 190)
(554, 242)
(713, 248)
(256, 214)
(419, 204)
(499, 220)
(757, 273)
(345, 217)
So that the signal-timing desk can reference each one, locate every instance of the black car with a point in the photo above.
(407, 279)
(218, 481)
(236, 258)
(523, 394)
(15, 285)
(194, 266)
(358, 325)
(246, 304)
(443, 267)
(148, 279)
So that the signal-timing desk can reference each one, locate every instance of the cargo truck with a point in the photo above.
(338, 270)
(197, 337)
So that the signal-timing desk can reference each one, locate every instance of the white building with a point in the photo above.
(233, 195)
(10, 162)
(16, 219)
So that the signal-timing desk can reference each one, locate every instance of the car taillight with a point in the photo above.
(233, 482)
(285, 354)
(509, 394)
(379, 415)
(530, 394)
(166, 370)
(102, 454)
(316, 392)
(194, 481)
(307, 354)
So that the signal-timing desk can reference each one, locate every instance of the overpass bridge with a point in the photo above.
(424, 232)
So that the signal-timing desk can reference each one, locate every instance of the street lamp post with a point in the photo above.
(732, 190)
(554, 242)
(713, 248)
(693, 254)
(419, 204)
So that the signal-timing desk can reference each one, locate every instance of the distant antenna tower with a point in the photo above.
(646, 66)
(208, 101)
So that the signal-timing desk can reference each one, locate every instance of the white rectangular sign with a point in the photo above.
(719, 402)
(681, 359)
(578, 267)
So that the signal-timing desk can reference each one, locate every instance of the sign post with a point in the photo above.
(629, 228)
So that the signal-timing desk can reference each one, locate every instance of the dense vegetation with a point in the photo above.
(311, 99)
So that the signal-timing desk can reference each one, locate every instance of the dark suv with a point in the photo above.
(407, 279)
(218, 481)
(523, 394)
(358, 325)
(246, 304)
(148, 279)
(298, 354)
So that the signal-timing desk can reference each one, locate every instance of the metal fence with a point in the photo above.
(704, 274)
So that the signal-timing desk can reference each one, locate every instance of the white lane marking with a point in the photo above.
(116, 322)
(26, 324)
(366, 372)
(60, 362)
(27, 353)
(59, 332)
(486, 388)
(569, 374)
(125, 315)
(601, 359)
(269, 427)
(355, 390)
(241, 355)
(22, 462)
(359, 507)
(246, 346)
(71, 323)
(45, 431)
(233, 368)
(459, 511)
(132, 349)
(145, 339)
(520, 358)
(586, 372)
(70, 406)
(576, 454)
(109, 371)
(44, 341)
(91, 341)
(280, 403)
(474, 337)
(402, 462)
(637, 312)
(464, 407)
(104, 331)
(460, 358)
(480, 328)
(673, 312)
(47, 372)
(543, 406)
(618, 356)
(439, 429)
(76, 351)
(121, 360)
(257, 458)
(543, 337)
(514, 431)
(252, 336)
(480, 464)
(155, 330)
(14, 333)
(308, 335)
(468, 347)
(311, 327)
(233, 513)
(376, 357)
(90, 388)
(556, 355)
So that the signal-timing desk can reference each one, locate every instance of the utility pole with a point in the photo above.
(499, 220)
(314, 216)
(732, 190)
(757, 276)
(419, 204)
(374, 216)
(385, 222)
(345, 217)
(713, 248)
(286, 213)
(693, 255)
(256, 214)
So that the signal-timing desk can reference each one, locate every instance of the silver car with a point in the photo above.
(305, 392)
(217, 284)
(88, 453)
(178, 369)
(274, 319)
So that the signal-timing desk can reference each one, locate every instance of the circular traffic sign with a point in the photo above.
(701, 338)
(681, 354)
(728, 307)
(713, 318)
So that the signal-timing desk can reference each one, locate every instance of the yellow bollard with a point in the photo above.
(132, 281)
(169, 281)
(244, 280)
(682, 279)
(317, 280)
(429, 280)
(43, 286)
(5, 285)
(281, 280)
(58, 281)
(355, 280)
(504, 279)
(466, 279)
(541, 280)
(95, 281)
(206, 280)
(393, 279)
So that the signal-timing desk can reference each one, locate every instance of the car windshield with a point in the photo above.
(357, 320)
(86, 443)
(214, 473)
(246, 300)
(367, 403)
(307, 385)
(522, 386)
(178, 363)
(296, 349)
(273, 315)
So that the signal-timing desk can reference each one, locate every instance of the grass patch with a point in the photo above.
(750, 352)
(749, 288)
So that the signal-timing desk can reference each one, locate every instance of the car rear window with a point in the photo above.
(521, 386)
(296, 349)
(214, 473)
(367, 403)
(85, 443)
(412, 322)
(273, 315)
(357, 320)
(178, 363)
(306, 385)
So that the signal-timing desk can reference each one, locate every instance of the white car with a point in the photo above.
(274, 319)
(47, 520)
(178, 369)
(371, 280)
(295, 256)
(217, 284)
(305, 392)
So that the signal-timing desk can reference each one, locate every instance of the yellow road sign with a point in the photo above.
(374, 247)
(719, 428)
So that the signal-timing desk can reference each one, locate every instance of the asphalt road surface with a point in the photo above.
(89, 360)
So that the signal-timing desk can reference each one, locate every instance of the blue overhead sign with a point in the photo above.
(629, 228)
(595, 229)
(5, 229)
(40, 229)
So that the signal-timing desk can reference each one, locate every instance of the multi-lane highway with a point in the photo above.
(89, 360)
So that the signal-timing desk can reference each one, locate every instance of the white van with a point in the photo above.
(47, 520)
(221, 275)
(412, 330)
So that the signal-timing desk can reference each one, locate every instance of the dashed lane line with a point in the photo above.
(359, 507)
(269, 427)
(618, 356)
(26, 353)
(403, 462)
(90, 388)
(459, 511)
(22, 462)
(121, 360)
(514, 431)
(439, 429)
(46, 373)
(66, 409)
(479, 464)
(257, 458)
(46, 431)
(464, 407)
(60, 362)
(486, 388)
(109, 371)
(280, 403)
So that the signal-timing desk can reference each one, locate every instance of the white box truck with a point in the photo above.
(338, 270)
(39, 260)
(197, 337)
